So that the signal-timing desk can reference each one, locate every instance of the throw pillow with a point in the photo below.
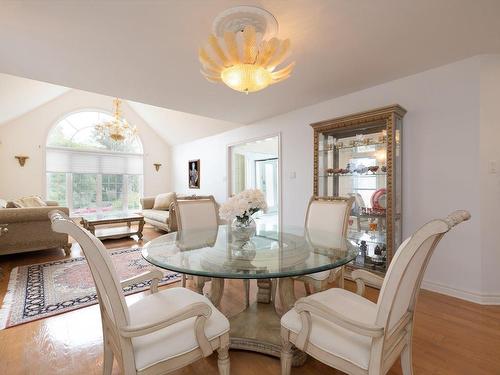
(32, 201)
(162, 201)
(3, 203)
(18, 203)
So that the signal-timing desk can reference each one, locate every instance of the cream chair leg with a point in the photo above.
(406, 364)
(308, 288)
(183, 282)
(286, 353)
(246, 283)
(107, 364)
(223, 360)
(341, 277)
(406, 357)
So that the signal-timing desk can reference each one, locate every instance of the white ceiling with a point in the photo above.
(146, 51)
(179, 127)
(19, 96)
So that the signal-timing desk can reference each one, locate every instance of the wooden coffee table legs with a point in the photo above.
(114, 232)
(140, 228)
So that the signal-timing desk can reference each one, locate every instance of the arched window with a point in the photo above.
(88, 172)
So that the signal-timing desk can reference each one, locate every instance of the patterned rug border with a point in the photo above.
(6, 306)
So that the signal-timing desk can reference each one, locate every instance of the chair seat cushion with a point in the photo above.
(156, 215)
(332, 338)
(176, 339)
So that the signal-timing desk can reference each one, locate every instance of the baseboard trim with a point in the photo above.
(467, 295)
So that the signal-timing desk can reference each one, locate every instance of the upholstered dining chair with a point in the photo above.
(160, 332)
(199, 212)
(354, 335)
(327, 215)
(191, 213)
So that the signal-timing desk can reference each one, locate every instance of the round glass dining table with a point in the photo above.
(265, 253)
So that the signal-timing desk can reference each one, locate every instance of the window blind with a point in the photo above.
(70, 161)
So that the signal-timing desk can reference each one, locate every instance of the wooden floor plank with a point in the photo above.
(452, 337)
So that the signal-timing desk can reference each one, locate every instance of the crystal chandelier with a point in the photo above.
(118, 129)
(243, 59)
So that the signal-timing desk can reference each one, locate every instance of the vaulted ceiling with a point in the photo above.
(19, 96)
(146, 51)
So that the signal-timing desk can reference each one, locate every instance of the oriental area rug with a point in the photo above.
(41, 290)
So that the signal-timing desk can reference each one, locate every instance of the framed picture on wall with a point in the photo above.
(194, 174)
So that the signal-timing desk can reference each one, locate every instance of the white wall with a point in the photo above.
(27, 135)
(441, 162)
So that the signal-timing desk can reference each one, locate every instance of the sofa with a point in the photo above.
(163, 216)
(29, 229)
(158, 218)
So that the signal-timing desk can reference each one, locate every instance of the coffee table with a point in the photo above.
(91, 221)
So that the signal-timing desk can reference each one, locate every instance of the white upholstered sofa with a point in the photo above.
(156, 210)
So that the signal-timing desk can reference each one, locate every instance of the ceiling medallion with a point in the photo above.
(118, 129)
(243, 51)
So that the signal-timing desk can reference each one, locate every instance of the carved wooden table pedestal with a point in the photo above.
(257, 328)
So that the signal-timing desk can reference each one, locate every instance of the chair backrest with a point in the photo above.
(109, 291)
(402, 281)
(329, 214)
(195, 212)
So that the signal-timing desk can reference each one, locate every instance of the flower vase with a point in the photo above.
(243, 228)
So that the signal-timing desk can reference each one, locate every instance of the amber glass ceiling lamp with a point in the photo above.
(243, 51)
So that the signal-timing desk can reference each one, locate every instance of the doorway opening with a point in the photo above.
(255, 164)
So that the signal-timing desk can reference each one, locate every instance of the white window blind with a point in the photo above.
(70, 161)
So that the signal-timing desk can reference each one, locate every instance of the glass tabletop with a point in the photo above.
(264, 253)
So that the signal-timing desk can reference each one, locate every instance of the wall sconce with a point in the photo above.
(21, 159)
(157, 166)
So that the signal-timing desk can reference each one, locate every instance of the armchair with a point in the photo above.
(354, 335)
(157, 334)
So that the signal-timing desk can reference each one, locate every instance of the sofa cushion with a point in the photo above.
(162, 201)
(3, 203)
(28, 202)
(156, 215)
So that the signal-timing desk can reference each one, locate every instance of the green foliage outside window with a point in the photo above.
(56, 191)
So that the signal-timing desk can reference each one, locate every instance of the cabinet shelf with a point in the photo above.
(353, 175)
(370, 237)
(377, 145)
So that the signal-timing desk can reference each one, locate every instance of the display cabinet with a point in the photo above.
(360, 155)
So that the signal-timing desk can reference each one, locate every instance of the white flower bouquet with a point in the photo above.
(242, 206)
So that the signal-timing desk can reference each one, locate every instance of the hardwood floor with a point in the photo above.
(451, 336)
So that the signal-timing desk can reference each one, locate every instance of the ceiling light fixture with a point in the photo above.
(118, 129)
(241, 56)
